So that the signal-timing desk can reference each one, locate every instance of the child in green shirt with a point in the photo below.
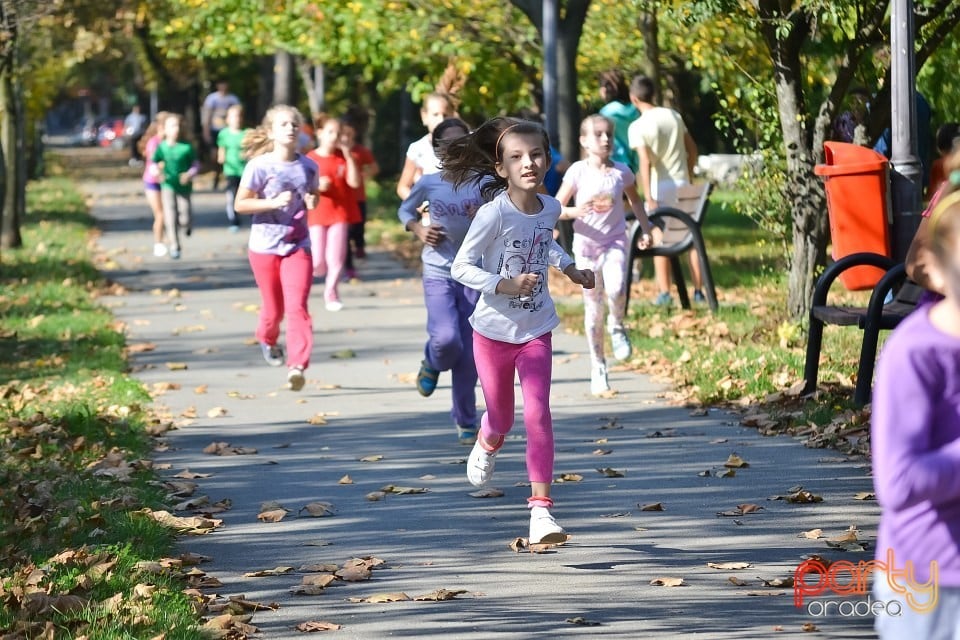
(228, 154)
(177, 165)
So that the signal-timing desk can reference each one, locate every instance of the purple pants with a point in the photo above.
(498, 363)
(450, 343)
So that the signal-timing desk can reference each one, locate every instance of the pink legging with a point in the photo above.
(329, 244)
(497, 363)
(284, 283)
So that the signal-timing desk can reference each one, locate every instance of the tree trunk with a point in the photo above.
(11, 141)
(649, 29)
(283, 78)
(313, 79)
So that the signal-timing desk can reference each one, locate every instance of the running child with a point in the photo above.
(505, 255)
(151, 180)
(916, 451)
(229, 156)
(336, 208)
(449, 303)
(598, 184)
(350, 131)
(177, 163)
(278, 186)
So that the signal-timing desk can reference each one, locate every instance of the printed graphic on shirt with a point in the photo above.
(528, 255)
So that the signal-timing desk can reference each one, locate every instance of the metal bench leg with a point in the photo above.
(812, 366)
(868, 356)
(679, 281)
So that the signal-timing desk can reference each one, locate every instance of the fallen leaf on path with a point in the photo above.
(489, 492)
(373, 458)
(742, 509)
(611, 473)
(440, 595)
(375, 496)
(726, 473)
(382, 597)
(273, 515)
(865, 495)
(390, 488)
(216, 412)
(583, 622)
(619, 514)
(318, 509)
(667, 582)
(800, 497)
(569, 477)
(277, 571)
(226, 449)
(736, 462)
(813, 534)
(345, 480)
(729, 565)
(317, 419)
(809, 627)
(317, 625)
(141, 347)
(777, 583)
(653, 506)
(200, 389)
(176, 366)
(734, 580)
(343, 354)
(191, 525)
(602, 452)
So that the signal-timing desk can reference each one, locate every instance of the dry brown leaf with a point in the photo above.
(865, 495)
(653, 506)
(141, 347)
(200, 389)
(317, 625)
(727, 473)
(273, 515)
(611, 473)
(176, 366)
(569, 477)
(735, 462)
(226, 449)
(729, 565)
(277, 571)
(356, 573)
(217, 412)
(777, 583)
(345, 480)
(734, 580)
(317, 419)
(186, 474)
(813, 534)
(390, 488)
(602, 452)
(809, 627)
(583, 622)
(375, 496)
(489, 492)
(373, 458)
(440, 595)
(383, 597)
(318, 509)
(192, 525)
(667, 582)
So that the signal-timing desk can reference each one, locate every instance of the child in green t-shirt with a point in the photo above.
(228, 154)
(177, 165)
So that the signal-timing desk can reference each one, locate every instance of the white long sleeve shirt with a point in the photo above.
(503, 242)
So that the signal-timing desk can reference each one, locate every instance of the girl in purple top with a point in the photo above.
(916, 453)
(449, 303)
(151, 180)
(277, 187)
(598, 185)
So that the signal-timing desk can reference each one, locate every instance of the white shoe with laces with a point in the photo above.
(598, 380)
(272, 353)
(159, 249)
(480, 464)
(543, 528)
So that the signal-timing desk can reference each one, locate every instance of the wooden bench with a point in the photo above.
(681, 233)
(877, 316)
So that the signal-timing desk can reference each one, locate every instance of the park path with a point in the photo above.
(360, 417)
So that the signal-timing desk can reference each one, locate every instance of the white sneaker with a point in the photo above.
(543, 528)
(272, 353)
(480, 464)
(333, 305)
(621, 344)
(159, 249)
(295, 379)
(598, 380)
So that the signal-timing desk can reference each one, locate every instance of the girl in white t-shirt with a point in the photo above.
(421, 158)
(505, 255)
(598, 185)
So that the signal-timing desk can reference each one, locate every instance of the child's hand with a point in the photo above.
(656, 235)
(310, 200)
(324, 183)
(431, 234)
(282, 199)
(185, 177)
(645, 241)
(583, 277)
(521, 285)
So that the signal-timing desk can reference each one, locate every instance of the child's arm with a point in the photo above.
(353, 169)
(480, 235)
(407, 177)
(636, 205)
(409, 214)
(566, 191)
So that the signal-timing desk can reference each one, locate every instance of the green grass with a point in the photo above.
(69, 418)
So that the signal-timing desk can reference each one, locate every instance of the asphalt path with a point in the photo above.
(359, 427)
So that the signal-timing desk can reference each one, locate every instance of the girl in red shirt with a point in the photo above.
(336, 208)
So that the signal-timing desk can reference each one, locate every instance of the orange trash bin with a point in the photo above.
(856, 182)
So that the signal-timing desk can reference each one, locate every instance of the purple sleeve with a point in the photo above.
(907, 467)
(252, 177)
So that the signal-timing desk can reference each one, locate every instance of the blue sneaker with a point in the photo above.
(467, 433)
(663, 300)
(698, 296)
(427, 379)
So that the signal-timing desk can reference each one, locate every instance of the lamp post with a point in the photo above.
(905, 173)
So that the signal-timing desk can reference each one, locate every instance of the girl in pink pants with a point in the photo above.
(505, 255)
